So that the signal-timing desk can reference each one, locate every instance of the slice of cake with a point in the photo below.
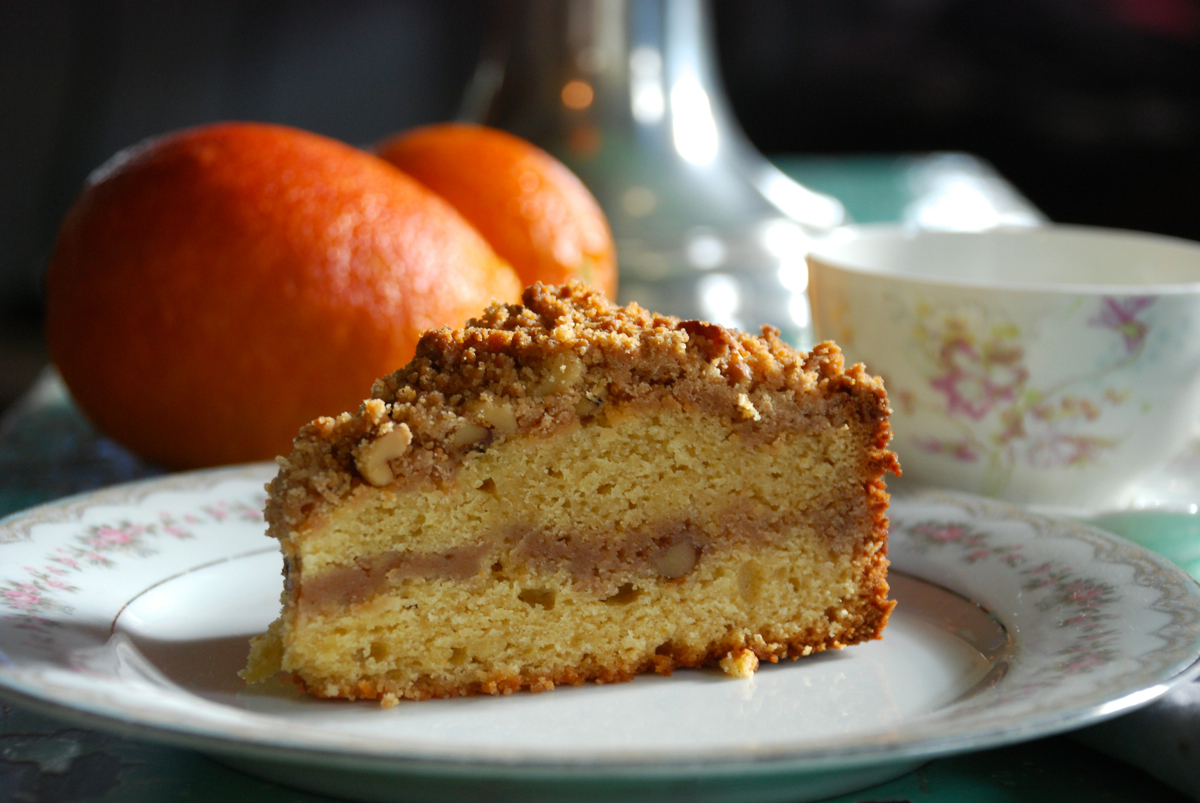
(568, 491)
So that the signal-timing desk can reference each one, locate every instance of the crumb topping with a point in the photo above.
(563, 357)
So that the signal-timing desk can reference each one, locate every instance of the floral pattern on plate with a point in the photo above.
(1083, 604)
(1062, 589)
(36, 591)
(1094, 625)
(106, 545)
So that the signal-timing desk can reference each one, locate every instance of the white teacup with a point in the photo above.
(1056, 366)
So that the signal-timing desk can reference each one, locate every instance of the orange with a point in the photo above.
(532, 209)
(213, 290)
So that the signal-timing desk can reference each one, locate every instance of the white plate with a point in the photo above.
(129, 609)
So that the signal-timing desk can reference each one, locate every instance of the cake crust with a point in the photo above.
(567, 361)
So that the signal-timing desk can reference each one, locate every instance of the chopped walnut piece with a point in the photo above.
(563, 371)
(469, 433)
(374, 457)
(496, 414)
(677, 560)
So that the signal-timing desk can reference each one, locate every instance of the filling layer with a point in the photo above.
(596, 563)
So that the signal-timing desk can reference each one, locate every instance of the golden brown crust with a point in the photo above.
(568, 354)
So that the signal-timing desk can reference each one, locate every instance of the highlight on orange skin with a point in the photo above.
(533, 210)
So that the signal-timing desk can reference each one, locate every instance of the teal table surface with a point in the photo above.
(48, 450)
(940, 190)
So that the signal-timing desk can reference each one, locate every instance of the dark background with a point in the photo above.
(1090, 107)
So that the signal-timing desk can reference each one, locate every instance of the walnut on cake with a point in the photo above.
(567, 490)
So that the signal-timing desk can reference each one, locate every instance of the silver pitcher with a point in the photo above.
(627, 94)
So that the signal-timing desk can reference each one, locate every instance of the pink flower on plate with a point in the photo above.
(947, 533)
(1083, 664)
(22, 598)
(110, 536)
(1120, 315)
(1078, 592)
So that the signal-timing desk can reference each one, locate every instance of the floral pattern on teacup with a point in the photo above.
(978, 367)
